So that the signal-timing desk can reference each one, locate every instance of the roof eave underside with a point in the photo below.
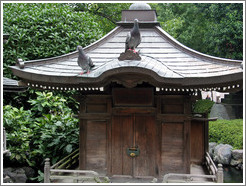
(233, 81)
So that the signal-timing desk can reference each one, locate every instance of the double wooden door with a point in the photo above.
(134, 133)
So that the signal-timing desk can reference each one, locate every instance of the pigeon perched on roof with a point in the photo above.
(84, 61)
(133, 38)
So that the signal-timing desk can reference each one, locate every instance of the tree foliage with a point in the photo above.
(48, 130)
(211, 28)
(42, 30)
(108, 14)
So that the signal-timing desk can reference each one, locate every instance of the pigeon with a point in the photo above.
(133, 38)
(84, 61)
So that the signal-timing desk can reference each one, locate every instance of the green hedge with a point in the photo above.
(227, 132)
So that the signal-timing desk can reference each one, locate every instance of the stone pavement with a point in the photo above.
(134, 180)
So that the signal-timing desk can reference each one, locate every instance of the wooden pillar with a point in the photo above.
(82, 144)
(47, 171)
(82, 132)
(187, 129)
(206, 136)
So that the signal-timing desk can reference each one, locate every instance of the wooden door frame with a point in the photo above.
(121, 111)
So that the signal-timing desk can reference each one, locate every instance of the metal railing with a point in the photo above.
(216, 174)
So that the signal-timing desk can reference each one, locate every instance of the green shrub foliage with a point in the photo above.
(227, 132)
(48, 130)
(42, 30)
(203, 106)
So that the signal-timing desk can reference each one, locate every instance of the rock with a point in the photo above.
(222, 154)
(237, 154)
(7, 171)
(219, 110)
(235, 162)
(212, 145)
(7, 179)
(237, 158)
(29, 172)
(16, 174)
(154, 180)
(240, 166)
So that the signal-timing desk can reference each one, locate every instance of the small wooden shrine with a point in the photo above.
(136, 115)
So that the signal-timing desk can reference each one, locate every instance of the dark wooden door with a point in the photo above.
(138, 131)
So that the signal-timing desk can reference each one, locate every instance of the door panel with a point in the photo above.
(145, 138)
(122, 133)
(134, 131)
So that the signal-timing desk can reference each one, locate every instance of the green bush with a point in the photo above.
(19, 134)
(41, 30)
(227, 132)
(48, 130)
(203, 106)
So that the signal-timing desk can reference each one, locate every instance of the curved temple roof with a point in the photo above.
(10, 85)
(166, 64)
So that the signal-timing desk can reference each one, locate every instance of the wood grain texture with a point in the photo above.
(96, 146)
(122, 132)
(145, 136)
(133, 97)
(172, 105)
(197, 142)
(175, 140)
(134, 130)
(172, 148)
(82, 144)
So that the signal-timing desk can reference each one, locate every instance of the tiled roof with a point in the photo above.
(163, 58)
(10, 85)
